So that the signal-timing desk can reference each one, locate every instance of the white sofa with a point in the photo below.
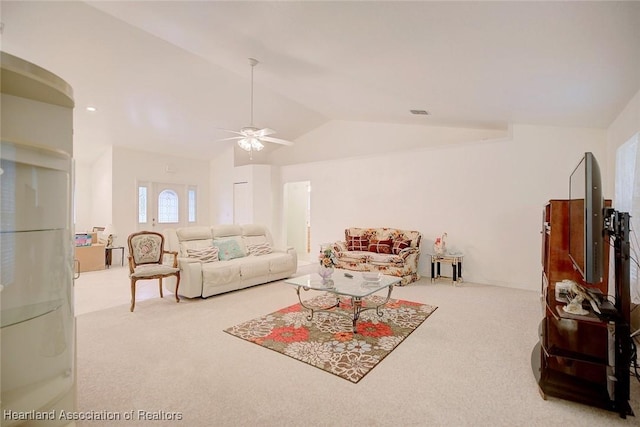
(224, 258)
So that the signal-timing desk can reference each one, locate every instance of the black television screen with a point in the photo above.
(586, 219)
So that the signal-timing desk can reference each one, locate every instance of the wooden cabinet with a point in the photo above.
(574, 359)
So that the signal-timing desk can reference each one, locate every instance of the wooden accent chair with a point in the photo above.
(146, 255)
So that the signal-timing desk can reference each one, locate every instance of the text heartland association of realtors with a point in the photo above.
(134, 414)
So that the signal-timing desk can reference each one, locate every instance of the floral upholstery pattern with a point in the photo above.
(402, 261)
(146, 248)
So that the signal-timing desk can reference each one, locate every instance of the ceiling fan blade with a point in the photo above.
(232, 138)
(264, 132)
(229, 130)
(276, 140)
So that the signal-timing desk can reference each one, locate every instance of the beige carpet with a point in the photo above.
(469, 365)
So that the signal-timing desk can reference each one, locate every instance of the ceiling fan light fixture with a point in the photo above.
(250, 144)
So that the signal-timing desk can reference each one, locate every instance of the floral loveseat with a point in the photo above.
(224, 258)
(386, 250)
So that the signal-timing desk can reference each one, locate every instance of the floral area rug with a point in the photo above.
(327, 341)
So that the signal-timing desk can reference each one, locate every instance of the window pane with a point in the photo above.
(168, 207)
(142, 204)
(192, 205)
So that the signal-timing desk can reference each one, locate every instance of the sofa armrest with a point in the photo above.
(340, 246)
(291, 251)
(408, 251)
(190, 277)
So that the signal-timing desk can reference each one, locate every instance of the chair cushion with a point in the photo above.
(152, 270)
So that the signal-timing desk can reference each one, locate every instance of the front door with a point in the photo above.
(162, 205)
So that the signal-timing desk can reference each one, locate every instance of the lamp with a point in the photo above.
(110, 232)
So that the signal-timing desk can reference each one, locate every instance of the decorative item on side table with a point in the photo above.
(327, 265)
(110, 233)
(439, 246)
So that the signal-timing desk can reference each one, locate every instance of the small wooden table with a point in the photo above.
(456, 265)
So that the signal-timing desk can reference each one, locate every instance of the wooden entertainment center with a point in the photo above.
(577, 355)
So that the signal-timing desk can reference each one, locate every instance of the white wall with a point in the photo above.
(341, 139)
(131, 166)
(258, 178)
(82, 197)
(93, 192)
(488, 196)
(102, 171)
(222, 177)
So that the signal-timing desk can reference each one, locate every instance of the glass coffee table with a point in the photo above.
(340, 285)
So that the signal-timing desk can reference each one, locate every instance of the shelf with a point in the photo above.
(555, 351)
(13, 316)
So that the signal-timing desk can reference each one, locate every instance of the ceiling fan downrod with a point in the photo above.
(253, 62)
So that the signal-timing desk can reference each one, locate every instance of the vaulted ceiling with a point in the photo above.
(167, 75)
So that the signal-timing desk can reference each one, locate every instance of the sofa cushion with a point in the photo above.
(280, 262)
(385, 259)
(255, 268)
(194, 233)
(354, 256)
(357, 243)
(229, 248)
(220, 273)
(226, 230)
(254, 240)
(259, 249)
(209, 254)
(254, 230)
(380, 246)
(399, 245)
(193, 244)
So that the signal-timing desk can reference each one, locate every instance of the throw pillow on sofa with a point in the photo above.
(357, 243)
(259, 249)
(381, 246)
(209, 254)
(228, 249)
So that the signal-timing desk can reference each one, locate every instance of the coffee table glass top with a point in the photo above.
(342, 285)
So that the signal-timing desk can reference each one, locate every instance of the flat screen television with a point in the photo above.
(586, 219)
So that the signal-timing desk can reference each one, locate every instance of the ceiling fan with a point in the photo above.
(250, 138)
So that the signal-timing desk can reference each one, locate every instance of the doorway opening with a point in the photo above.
(297, 218)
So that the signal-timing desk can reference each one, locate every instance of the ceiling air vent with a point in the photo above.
(420, 112)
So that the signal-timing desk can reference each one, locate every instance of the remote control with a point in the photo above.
(350, 276)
